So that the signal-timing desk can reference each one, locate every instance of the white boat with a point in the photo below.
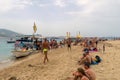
(11, 41)
(18, 54)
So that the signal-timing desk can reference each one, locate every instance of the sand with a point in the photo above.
(62, 63)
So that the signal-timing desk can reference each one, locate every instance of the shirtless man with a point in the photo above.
(89, 72)
(80, 75)
(86, 58)
(69, 44)
(45, 46)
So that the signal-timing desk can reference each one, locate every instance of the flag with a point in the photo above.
(34, 28)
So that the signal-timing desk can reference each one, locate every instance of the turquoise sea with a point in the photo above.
(5, 50)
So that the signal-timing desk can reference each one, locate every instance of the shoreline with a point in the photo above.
(4, 65)
(11, 61)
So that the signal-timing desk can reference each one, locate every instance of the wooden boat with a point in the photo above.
(19, 54)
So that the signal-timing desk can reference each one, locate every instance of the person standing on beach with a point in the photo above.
(103, 48)
(69, 44)
(45, 46)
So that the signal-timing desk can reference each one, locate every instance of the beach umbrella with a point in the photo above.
(79, 36)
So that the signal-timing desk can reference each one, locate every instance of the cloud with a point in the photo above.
(44, 5)
(7, 5)
(86, 7)
(90, 17)
(60, 3)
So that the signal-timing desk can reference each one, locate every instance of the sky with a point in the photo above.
(56, 17)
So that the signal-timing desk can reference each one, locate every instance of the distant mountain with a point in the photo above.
(8, 33)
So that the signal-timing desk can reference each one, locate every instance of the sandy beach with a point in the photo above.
(62, 63)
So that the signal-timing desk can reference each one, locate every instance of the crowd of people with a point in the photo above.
(89, 45)
(86, 60)
(86, 72)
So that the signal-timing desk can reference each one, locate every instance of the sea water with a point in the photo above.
(5, 50)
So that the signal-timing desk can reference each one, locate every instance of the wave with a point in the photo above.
(6, 61)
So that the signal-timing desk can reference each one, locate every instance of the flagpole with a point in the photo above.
(34, 29)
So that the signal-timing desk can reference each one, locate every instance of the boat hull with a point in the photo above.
(10, 41)
(18, 54)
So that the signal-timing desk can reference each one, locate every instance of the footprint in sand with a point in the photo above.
(12, 78)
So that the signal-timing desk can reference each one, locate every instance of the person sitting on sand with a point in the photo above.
(84, 55)
(80, 75)
(86, 58)
(89, 72)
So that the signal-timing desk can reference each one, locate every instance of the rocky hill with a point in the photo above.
(8, 33)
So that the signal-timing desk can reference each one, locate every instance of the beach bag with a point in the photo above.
(98, 59)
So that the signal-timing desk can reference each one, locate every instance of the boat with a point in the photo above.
(24, 44)
(11, 41)
(19, 54)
